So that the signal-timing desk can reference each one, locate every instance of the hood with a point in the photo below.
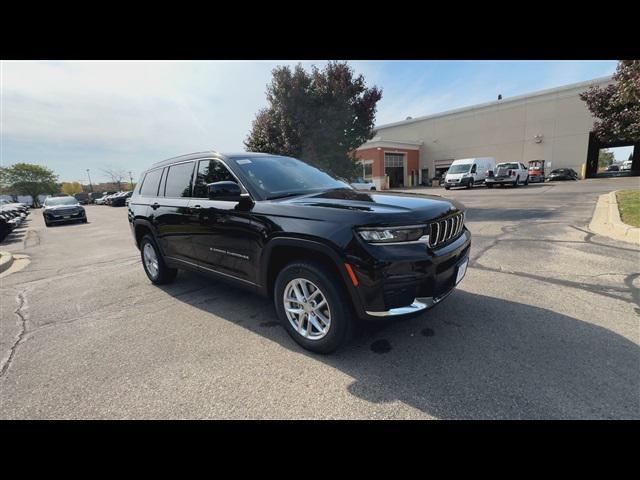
(353, 207)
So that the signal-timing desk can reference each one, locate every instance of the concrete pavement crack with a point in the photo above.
(23, 328)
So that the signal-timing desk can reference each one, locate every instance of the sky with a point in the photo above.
(96, 115)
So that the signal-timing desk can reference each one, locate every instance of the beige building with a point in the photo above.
(551, 125)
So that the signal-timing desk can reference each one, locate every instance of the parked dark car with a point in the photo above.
(120, 199)
(83, 198)
(613, 168)
(563, 174)
(325, 253)
(11, 217)
(62, 209)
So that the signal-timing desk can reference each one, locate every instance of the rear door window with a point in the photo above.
(179, 180)
(150, 183)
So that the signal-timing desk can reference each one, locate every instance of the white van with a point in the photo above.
(626, 165)
(468, 172)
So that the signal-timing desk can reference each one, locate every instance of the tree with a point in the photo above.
(320, 116)
(71, 188)
(116, 175)
(605, 158)
(617, 107)
(28, 179)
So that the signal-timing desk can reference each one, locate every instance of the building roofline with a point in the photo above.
(587, 83)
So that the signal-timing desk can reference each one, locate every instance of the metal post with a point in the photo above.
(90, 185)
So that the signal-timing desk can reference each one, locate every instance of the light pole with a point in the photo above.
(90, 185)
(131, 179)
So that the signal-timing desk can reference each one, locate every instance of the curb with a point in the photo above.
(6, 260)
(606, 220)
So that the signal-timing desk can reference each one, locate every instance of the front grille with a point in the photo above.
(446, 230)
(65, 211)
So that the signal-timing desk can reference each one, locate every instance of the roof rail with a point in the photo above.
(167, 160)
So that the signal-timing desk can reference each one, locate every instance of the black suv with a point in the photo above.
(323, 251)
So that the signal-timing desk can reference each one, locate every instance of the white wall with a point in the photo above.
(506, 129)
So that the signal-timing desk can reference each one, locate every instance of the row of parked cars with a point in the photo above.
(116, 199)
(12, 214)
(470, 172)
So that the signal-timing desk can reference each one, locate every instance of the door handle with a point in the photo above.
(155, 205)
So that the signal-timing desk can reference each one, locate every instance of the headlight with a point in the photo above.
(409, 233)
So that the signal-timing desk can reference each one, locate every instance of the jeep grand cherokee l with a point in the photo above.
(324, 252)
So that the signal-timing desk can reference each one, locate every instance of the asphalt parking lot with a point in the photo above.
(546, 324)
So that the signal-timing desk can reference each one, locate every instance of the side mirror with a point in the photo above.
(229, 191)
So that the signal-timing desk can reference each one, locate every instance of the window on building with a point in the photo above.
(393, 160)
(367, 170)
(178, 183)
(210, 171)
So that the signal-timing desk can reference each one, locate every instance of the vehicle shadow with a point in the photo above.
(473, 356)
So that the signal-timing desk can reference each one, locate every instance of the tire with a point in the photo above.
(84, 220)
(447, 188)
(161, 274)
(47, 224)
(339, 314)
(470, 185)
(526, 182)
(373, 189)
(516, 183)
(489, 185)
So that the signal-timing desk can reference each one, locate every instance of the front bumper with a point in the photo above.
(61, 218)
(399, 280)
(463, 182)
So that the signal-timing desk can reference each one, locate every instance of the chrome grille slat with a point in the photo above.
(445, 230)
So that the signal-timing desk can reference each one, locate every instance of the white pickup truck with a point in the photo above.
(508, 173)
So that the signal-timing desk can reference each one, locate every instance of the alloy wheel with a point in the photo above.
(307, 309)
(150, 260)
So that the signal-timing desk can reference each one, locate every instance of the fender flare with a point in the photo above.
(313, 245)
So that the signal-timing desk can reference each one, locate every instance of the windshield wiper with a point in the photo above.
(284, 195)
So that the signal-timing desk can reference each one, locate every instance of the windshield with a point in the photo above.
(282, 176)
(54, 201)
(460, 168)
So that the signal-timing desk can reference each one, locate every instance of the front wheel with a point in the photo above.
(153, 263)
(526, 182)
(470, 185)
(313, 307)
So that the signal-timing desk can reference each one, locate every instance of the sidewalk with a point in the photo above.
(606, 221)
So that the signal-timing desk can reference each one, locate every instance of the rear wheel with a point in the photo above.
(153, 263)
(313, 306)
(517, 182)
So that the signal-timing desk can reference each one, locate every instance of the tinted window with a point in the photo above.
(210, 171)
(150, 183)
(178, 183)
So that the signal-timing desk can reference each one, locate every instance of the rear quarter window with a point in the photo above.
(150, 183)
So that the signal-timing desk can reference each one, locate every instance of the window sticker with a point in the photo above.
(243, 162)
